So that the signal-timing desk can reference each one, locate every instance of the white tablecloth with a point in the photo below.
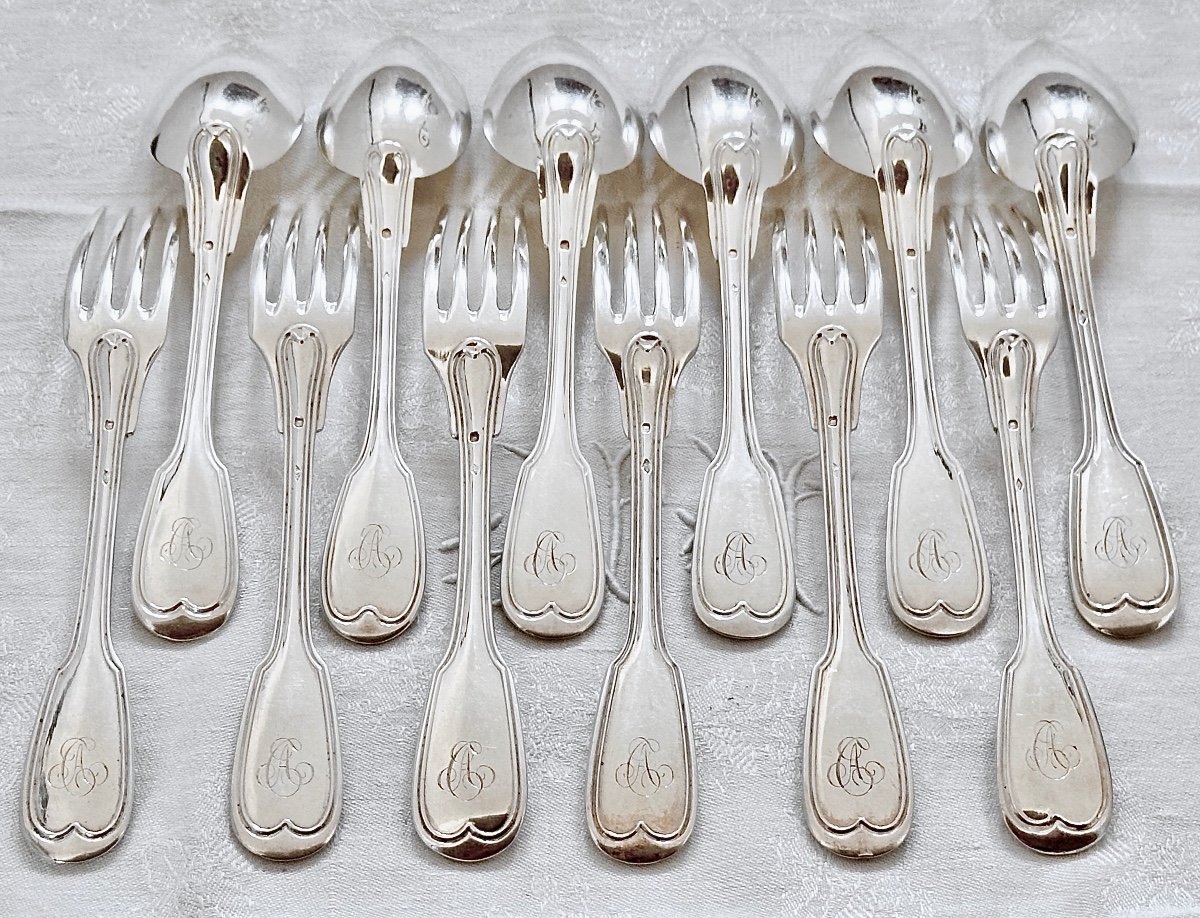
(79, 82)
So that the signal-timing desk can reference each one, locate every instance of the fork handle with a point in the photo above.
(469, 795)
(1055, 788)
(858, 797)
(1123, 571)
(642, 782)
(78, 776)
(552, 572)
(938, 581)
(287, 776)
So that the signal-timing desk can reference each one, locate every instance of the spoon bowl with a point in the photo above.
(266, 123)
(717, 101)
(550, 80)
(1055, 103)
(874, 101)
(410, 100)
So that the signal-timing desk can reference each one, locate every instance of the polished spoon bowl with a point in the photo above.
(888, 124)
(215, 133)
(1059, 136)
(721, 126)
(396, 118)
(553, 112)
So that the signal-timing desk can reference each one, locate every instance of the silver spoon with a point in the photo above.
(888, 124)
(552, 113)
(397, 118)
(721, 127)
(215, 134)
(1059, 137)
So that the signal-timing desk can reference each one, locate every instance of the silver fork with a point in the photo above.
(1055, 789)
(78, 776)
(857, 790)
(642, 785)
(287, 776)
(469, 796)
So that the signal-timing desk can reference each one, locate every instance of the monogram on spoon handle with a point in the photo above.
(78, 777)
(287, 777)
(642, 781)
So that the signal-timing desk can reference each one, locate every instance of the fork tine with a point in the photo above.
(258, 264)
(841, 267)
(137, 277)
(519, 303)
(987, 266)
(287, 281)
(691, 274)
(873, 274)
(490, 280)
(1022, 290)
(318, 282)
(104, 290)
(662, 276)
(812, 263)
(433, 266)
(1051, 290)
(784, 303)
(631, 279)
(458, 296)
(348, 292)
(73, 300)
(602, 304)
(168, 261)
(958, 268)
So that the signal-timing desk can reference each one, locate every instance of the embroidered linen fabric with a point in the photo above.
(81, 81)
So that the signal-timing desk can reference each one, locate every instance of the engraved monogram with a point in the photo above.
(1048, 754)
(464, 777)
(184, 549)
(737, 562)
(373, 556)
(1118, 545)
(281, 774)
(548, 562)
(638, 772)
(72, 773)
(851, 771)
(932, 559)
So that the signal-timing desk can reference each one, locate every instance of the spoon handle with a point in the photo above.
(1055, 788)
(287, 777)
(552, 571)
(374, 568)
(78, 779)
(938, 581)
(858, 793)
(469, 795)
(642, 797)
(742, 580)
(1123, 572)
(185, 565)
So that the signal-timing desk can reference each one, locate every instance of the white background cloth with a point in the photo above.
(81, 80)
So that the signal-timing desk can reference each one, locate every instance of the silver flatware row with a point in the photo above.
(399, 117)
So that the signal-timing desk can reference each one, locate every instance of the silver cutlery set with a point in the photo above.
(400, 117)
